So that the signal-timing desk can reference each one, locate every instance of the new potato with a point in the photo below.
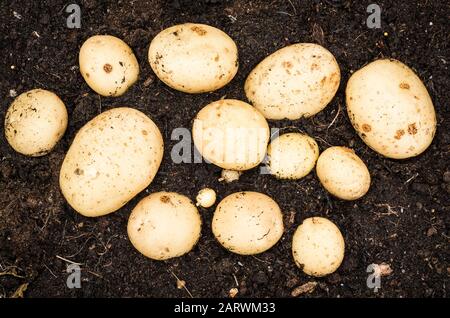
(164, 225)
(296, 81)
(318, 247)
(390, 108)
(112, 158)
(231, 134)
(292, 155)
(343, 173)
(193, 58)
(35, 122)
(108, 65)
(247, 223)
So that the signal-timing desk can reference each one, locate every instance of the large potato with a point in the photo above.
(231, 134)
(318, 246)
(35, 122)
(247, 223)
(390, 109)
(164, 225)
(292, 155)
(193, 58)
(343, 173)
(108, 65)
(112, 158)
(296, 81)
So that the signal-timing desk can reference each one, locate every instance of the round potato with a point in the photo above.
(231, 134)
(391, 109)
(292, 155)
(247, 223)
(193, 58)
(296, 81)
(206, 198)
(112, 158)
(35, 122)
(343, 173)
(318, 247)
(108, 65)
(164, 225)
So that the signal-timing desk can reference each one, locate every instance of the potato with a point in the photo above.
(292, 155)
(164, 225)
(35, 122)
(296, 81)
(113, 157)
(390, 109)
(318, 247)
(247, 223)
(108, 65)
(231, 134)
(343, 173)
(206, 198)
(193, 58)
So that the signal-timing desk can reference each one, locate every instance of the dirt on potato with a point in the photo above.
(402, 221)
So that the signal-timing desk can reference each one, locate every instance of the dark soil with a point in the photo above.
(402, 221)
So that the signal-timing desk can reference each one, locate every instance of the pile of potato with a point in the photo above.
(116, 155)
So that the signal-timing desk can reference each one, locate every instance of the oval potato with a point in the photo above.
(318, 247)
(390, 108)
(296, 81)
(164, 225)
(292, 155)
(343, 173)
(247, 223)
(193, 58)
(108, 65)
(35, 122)
(231, 134)
(113, 157)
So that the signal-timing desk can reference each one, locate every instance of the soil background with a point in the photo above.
(402, 221)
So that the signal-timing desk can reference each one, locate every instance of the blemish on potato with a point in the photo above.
(107, 68)
(412, 129)
(366, 127)
(165, 199)
(199, 30)
(399, 134)
(404, 85)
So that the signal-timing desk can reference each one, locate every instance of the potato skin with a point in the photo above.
(247, 223)
(296, 81)
(231, 134)
(108, 65)
(318, 247)
(164, 225)
(343, 173)
(35, 122)
(193, 58)
(292, 155)
(113, 157)
(390, 109)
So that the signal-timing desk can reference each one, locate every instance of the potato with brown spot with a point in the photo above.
(164, 225)
(389, 97)
(296, 81)
(201, 58)
(108, 65)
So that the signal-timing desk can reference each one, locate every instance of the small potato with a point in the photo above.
(318, 247)
(390, 108)
(343, 173)
(193, 58)
(113, 157)
(231, 134)
(164, 225)
(206, 198)
(296, 81)
(108, 65)
(292, 155)
(35, 122)
(247, 223)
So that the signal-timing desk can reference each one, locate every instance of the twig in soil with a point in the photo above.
(390, 209)
(19, 291)
(322, 140)
(335, 117)
(258, 259)
(236, 281)
(293, 7)
(412, 178)
(304, 289)
(68, 260)
(181, 283)
(11, 272)
(50, 271)
(285, 13)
